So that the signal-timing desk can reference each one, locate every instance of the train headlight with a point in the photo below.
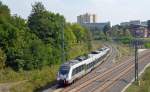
(58, 78)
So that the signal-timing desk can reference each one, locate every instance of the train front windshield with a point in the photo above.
(64, 70)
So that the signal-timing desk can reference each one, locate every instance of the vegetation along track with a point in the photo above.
(94, 78)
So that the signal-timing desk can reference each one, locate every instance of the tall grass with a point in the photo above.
(37, 79)
(144, 83)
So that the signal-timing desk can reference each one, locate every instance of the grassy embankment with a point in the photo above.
(144, 80)
(144, 83)
(39, 78)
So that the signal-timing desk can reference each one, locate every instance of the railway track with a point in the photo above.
(108, 73)
(113, 79)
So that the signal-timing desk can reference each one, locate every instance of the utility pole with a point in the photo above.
(136, 43)
(136, 60)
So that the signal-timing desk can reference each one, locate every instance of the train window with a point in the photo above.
(82, 67)
(94, 52)
(73, 72)
(94, 62)
(90, 65)
(78, 69)
(99, 59)
(100, 50)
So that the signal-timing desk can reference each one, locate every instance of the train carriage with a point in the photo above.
(74, 69)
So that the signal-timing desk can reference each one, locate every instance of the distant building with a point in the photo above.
(125, 23)
(139, 30)
(138, 27)
(90, 21)
(87, 18)
(135, 22)
(144, 23)
(96, 26)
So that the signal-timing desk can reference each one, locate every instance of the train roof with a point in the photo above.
(71, 63)
(82, 58)
(77, 60)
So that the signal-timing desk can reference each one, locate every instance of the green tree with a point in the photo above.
(2, 59)
(46, 25)
(19, 23)
(79, 32)
(70, 38)
(36, 43)
(102, 36)
(106, 29)
(4, 11)
(24, 50)
(88, 39)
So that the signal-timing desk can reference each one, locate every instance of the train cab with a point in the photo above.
(63, 74)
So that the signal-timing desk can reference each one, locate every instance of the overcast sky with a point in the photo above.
(115, 11)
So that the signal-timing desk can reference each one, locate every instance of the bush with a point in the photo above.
(147, 45)
(2, 59)
(125, 40)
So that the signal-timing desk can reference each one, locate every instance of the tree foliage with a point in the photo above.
(2, 59)
(37, 42)
(121, 34)
(106, 29)
(102, 36)
(4, 11)
(79, 32)
(46, 25)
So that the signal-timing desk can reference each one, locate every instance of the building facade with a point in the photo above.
(90, 21)
(137, 28)
(96, 26)
(87, 18)
(134, 22)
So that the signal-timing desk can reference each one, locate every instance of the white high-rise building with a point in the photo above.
(87, 18)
